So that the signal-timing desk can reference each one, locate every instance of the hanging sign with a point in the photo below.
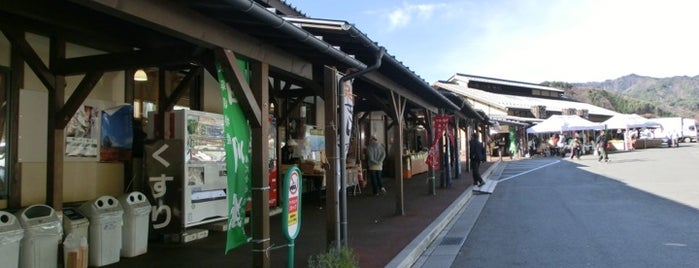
(440, 126)
(237, 145)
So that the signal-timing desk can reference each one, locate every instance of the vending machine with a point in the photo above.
(203, 173)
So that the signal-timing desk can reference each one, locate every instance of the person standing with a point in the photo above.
(602, 142)
(575, 148)
(375, 154)
(288, 156)
(477, 155)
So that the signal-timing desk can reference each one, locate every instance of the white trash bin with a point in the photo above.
(11, 234)
(42, 236)
(136, 224)
(105, 215)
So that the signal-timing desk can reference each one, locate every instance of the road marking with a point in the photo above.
(675, 244)
(525, 172)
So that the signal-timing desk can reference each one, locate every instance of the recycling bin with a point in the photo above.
(136, 224)
(11, 234)
(42, 236)
(105, 215)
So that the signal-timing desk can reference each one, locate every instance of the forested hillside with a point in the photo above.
(652, 97)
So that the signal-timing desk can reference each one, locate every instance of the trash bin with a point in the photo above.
(136, 224)
(105, 215)
(11, 234)
(75, 228)
(42, 236)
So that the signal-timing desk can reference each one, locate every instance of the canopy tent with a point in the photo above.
(561, 123)
(626, 121)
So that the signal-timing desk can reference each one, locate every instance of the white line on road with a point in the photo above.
(525, 172)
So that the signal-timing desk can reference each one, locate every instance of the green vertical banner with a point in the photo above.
(237, 146)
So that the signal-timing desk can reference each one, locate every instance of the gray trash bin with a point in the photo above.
(75, 230)
(75, 222)
(136, 224)
(42, 236)
(11, 234)
(104, 239)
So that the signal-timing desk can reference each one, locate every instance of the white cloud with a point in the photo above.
(399, 18)
(402, 16)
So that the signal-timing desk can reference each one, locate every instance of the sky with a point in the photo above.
(527, 40)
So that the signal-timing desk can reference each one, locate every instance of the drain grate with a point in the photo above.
(451, 241)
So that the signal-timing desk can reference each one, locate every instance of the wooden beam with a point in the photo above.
(381, 103)
(239, 86)
(126, 60)
(186, 24)
(18, 42)
(181, 88)
(299, 92)
(66, 112)
(388, 84)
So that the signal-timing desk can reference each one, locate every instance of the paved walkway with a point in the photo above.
(378, 237)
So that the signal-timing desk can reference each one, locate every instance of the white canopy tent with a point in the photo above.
(626, 121)
(561, 123)
(629, 121)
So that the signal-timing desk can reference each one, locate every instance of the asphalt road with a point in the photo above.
(638, 210)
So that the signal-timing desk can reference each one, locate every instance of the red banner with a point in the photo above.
(440, 125)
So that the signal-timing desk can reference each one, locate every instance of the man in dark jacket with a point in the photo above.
(477, 155)
(601, 142)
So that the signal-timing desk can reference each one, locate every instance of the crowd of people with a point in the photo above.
(573, 146)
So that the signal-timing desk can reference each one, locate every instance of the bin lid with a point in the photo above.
(8, 222)
(35, 214)
(71, 216)
(10, 229)
(134, 201)
(40, 219)
(101, 206)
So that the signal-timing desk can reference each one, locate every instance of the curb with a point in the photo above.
(413, 251)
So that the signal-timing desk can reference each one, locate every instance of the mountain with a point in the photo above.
(649, 96)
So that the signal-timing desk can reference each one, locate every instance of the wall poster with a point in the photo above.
(82, 133)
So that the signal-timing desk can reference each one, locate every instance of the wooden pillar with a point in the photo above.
(13, 172)
(429, 139)
(54, 152)
(398, 104)
(457, 149)
(260, 165)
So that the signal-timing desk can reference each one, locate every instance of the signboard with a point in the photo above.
(291, 203)
(291, 209)
(164, 164)
(237, 146)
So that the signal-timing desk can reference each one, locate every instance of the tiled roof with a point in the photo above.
(522, 102)
(465, 78)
